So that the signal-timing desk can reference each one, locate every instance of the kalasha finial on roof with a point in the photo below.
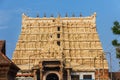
(73, 15)
(37, 15)
(59, 15)
(80, 14)
(44, 14)
(66, 15)
(52, 15)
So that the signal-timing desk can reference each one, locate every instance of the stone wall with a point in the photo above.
(72, 39)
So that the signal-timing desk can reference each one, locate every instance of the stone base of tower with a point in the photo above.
(56, 70)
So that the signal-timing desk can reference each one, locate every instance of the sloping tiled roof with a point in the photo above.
(4, 60)
(2, 46)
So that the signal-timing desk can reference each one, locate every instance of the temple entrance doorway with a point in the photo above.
(51, 70)
(52, 76)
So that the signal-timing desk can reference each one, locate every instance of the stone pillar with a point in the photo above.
(68, 74)
(61, 73)
(41, 74)
(34, 72)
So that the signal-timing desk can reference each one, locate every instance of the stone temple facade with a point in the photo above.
(61, 48)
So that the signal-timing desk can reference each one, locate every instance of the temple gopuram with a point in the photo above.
(60, 48)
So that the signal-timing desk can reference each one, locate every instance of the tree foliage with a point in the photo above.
(116, 31)
(116, 28)
(115, 43)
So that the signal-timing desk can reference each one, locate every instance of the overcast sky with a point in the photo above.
(107, 11)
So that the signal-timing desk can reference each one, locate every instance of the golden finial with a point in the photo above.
(37, 15)
(59, 15)
(80, 15)
(66, 15)
(51, 15)
(73, 15)
(44, 14)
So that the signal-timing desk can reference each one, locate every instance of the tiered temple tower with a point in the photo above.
(68, 47)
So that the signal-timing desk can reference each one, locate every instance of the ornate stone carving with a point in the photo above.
(76, 42)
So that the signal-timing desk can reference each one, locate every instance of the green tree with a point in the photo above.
(115, 43)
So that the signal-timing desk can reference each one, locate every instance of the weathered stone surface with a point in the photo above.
(72, 39)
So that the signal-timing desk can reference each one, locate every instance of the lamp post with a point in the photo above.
(110, 64)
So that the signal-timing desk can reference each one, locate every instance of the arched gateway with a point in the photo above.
(52, 70)
(52, 75)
